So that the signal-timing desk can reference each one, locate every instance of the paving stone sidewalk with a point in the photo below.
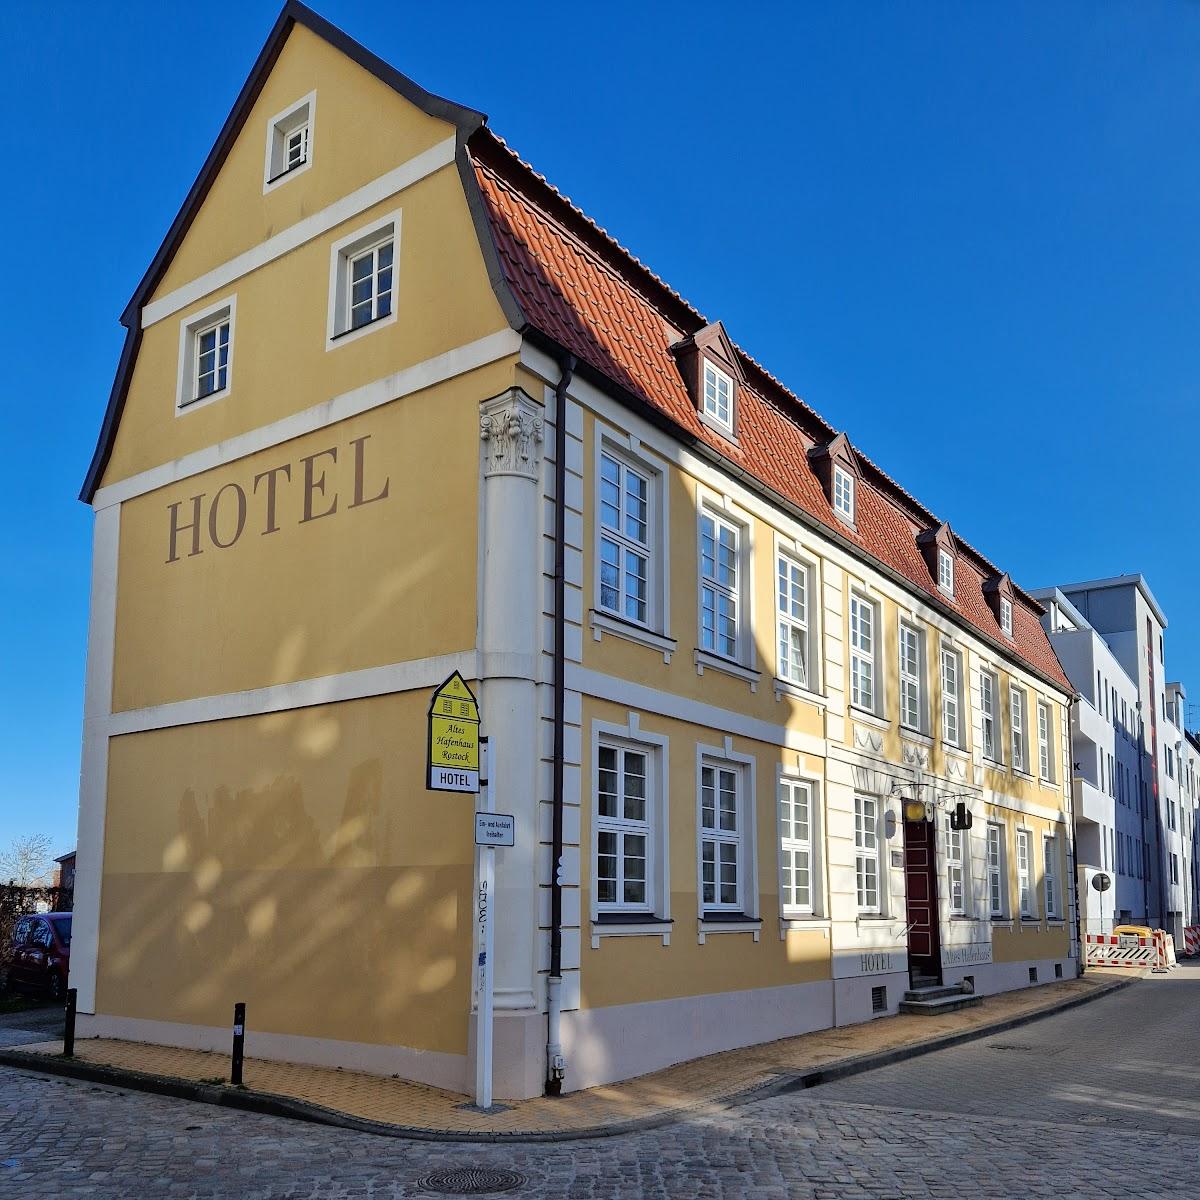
(702, 1086)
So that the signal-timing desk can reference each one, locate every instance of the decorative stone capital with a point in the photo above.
(510, 428)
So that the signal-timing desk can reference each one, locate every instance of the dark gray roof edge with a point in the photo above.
(466, 121)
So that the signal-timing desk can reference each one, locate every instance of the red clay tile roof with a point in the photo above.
(589, 295)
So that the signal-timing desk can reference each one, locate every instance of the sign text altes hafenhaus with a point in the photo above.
(453, 749)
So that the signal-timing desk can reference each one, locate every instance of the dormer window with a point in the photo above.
(712, 375)
(998, 592)
(946, 572)
(718, 396)
(843, 494)
(1006, 616)
(289, 142)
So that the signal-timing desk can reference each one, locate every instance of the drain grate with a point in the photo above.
(472, 1181)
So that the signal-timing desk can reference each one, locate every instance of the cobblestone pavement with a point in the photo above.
(66, 1138)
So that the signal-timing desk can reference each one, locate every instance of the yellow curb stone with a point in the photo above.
(703, 1083)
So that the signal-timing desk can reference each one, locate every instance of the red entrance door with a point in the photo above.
(920, 884)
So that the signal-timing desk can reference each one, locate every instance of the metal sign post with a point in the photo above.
(485, 886)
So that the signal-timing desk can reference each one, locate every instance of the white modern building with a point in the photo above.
(1134, 767)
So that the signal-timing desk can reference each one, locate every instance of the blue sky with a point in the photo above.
(966, 233)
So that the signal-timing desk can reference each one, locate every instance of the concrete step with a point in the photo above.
(933, 991)
(941, 1004)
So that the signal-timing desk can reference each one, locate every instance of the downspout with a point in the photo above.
(556, 1066)
(1072, 718)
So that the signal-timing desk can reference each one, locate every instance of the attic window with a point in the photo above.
(843, 494)
(1006, 616)
(946, 572)
(718, 396)
(289, 142)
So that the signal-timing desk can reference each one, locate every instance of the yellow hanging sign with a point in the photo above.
(453, 749)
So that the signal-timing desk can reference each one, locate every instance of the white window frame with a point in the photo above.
(1051, 891)
(868, 853)
(725, 759)
(992, 747)
(655, 631)
(629, 546)
(787, 625)
(912, 676)
(1025, 892)
(791, 846)
(1045, 741)
(861, 657)
(996, 871)
(952, 706)
(621, 827)
(300, 115)
(656, 747)
(740, 593)
(1006, 616)
(1017, 722)
(945, 562)
(842, 494)
(957, 882)
(341, 254)
(187, 398)
(712, 413)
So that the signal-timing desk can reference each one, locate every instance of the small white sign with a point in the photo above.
(495, 829)
(452, 779)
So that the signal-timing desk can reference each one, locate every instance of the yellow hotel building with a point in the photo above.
(389, 407)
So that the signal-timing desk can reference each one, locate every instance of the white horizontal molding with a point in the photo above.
(329, 412)
(304, 693)
(348, 207)
(666, 704)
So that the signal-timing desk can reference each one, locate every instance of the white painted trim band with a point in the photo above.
(421, 375)
(367, 196)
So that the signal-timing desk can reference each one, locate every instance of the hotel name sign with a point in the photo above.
(327, 482)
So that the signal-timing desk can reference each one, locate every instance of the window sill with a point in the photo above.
(803, 922)
(705, 659)
(718, 922)
(344, 336)
(993, 764)
(1055, 923)
(722, 430)
(1002, 922)
(915, 735)
(864, 917)
(956, 750)
(187, 406)
(603, 622)
(784, 687)
(867, 717)
(630, 925)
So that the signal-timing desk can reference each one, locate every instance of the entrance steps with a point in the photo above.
(932, 999)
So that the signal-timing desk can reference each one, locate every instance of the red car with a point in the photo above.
(41, 954)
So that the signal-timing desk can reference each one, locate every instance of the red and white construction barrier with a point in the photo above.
(1191, 939)
(1130, 950)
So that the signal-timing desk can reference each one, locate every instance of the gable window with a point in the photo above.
(995, 869)
(1045, 759)
(792, 593)
(1017, 720)
(946, 572)
(721, 855)
(989, 689)
(363, 281)
(911, 700)
(624, 540)
(951, 696)
(1006, 616)
(289, 142)
(843, 494)
(797, 870)
(623, 829)
(866, 853)
(718, 396)
(1025, 873)
(955, 871)
(863, 621)
(720, 572)
(206, 354)
(1050, 879)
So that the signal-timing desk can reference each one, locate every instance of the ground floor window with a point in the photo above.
(866, 853)
(722, 858)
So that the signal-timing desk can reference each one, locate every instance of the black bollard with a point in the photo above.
(69, 1025)
(239, 1043)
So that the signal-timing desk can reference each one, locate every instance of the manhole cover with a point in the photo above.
(472, 1181)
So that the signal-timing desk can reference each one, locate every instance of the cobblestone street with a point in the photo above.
(890, 1133)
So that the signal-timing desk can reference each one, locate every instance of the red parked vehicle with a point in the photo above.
(41, 954)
